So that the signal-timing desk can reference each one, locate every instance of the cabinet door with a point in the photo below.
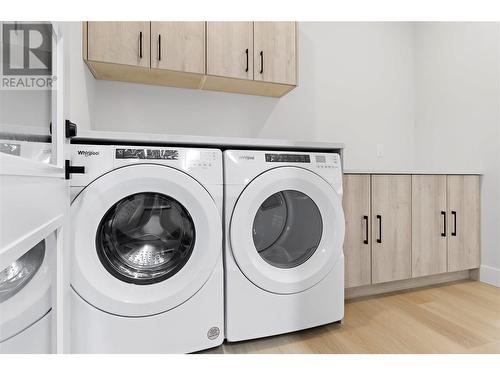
(463, 229)
(429, 221)
(230, 49)
(356, 202)
(178, 46)
(275, 56)
(391, 228)
(119, 42)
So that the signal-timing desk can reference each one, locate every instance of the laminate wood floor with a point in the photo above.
(459, 317)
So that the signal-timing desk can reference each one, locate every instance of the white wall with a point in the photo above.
(355, 86)
(457, 106)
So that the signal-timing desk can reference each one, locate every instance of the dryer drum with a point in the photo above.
(287, 229)
(19, 273)
(145, 238)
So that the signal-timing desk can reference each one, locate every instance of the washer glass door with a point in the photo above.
(145, 238)
(19, 273)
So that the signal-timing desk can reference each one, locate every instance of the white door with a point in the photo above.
(33, 190)
(287, 230)
(146, 238)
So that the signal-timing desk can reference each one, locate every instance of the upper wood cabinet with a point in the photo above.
(201, 55)
(357, 249)
(178, 46)
(230, 49)
(275, 55)
(125, 43)
(429, 224)
(391, 228)
(464, 218)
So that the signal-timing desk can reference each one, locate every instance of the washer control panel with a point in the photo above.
(205, 165)
(201, 158)
(146, 153)
(327, 161)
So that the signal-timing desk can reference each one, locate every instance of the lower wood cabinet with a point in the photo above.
(357, 248)
(406, 226)
(429, 225)
(464, 209)
(391, 227)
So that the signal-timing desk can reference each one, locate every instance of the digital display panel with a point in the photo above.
(146, 153)
(287, 158)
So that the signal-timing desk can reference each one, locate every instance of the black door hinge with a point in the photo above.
(70, 169)
(70, 129)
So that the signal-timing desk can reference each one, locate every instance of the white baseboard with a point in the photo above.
(490, 275)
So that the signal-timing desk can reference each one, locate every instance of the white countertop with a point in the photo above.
(410, 171)
(93, 136)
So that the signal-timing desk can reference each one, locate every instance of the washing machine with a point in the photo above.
(26, 301)
(284, 232)
(147, 273)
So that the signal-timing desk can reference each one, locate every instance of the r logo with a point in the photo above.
(27, 49)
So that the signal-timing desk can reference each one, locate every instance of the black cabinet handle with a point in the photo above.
(140, 44)
(443, 234)
(379, 218)
(261, 62)
(159, 47)
(366, 229)
(454, 213)
(246, 51)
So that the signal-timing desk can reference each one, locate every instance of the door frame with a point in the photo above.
(41, 178)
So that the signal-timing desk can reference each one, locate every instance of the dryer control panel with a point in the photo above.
(241, 166)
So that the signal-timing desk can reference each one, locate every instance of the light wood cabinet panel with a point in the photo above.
(125, 43)
(391, 228)
(178, 46)
(230, 49)
(275, 57)
(428, 229)
(464, 218)
(356, 202)
(198, 55)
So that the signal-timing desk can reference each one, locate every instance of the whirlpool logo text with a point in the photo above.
(88, 153)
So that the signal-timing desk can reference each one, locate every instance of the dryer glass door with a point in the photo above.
(145, 238)
(287, 229)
